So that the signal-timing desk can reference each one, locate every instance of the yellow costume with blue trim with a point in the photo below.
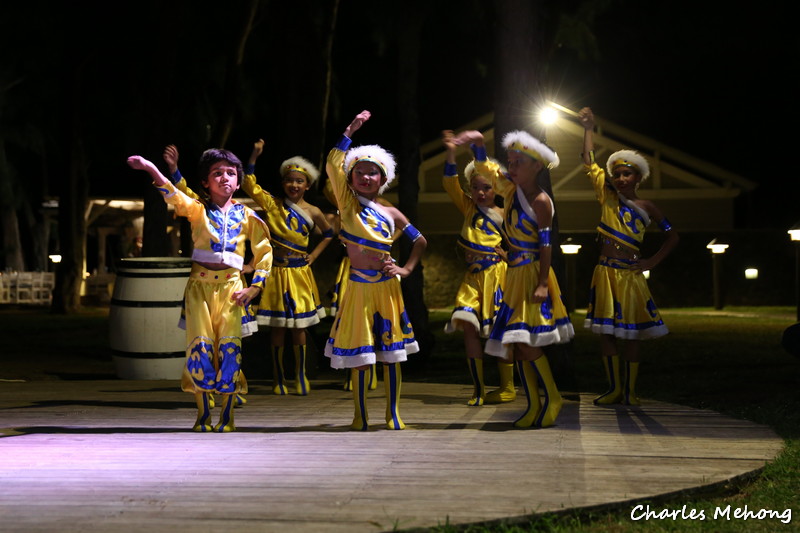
(249, 323)
(213, 321)
(518, 319)
(620, 302)
(371, 324)
(480, 293)
(291, 298)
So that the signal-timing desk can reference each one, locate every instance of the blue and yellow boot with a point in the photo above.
(279, 383)
(476, 371)
(359, 380)
(631, 373)
(614, 392)
(203, 422)
(551, 400)
(301, 384)
(506, 392)
(392, 382)
(550, 404)
(225, 424)
(530, 385)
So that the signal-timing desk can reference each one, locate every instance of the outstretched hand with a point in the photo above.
(587, 118)
(448, 139)
(357, 122)
(138, 162)
(171, 158)
(468, 137)
(258, 148)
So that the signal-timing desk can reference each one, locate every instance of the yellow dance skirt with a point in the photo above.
(372, 324)
(620, 303)
(478, 297)
(341, 284)
(290, 298)
(519, 320)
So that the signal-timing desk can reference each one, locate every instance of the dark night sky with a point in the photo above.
(717, 84)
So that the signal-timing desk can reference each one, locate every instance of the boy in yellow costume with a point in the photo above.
(291, 298)
(620, 304)
(215, 296)
(480, 294)
(532, 313)
(371, 324)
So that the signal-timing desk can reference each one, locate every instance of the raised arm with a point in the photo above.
(587, 121)
(137, 162)
(258, 148)
(357, 122)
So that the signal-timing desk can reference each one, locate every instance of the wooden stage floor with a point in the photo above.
(119, 456)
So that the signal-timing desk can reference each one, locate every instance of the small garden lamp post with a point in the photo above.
(794, 233)
(717, 249)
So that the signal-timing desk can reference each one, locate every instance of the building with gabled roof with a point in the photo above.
(696, 195)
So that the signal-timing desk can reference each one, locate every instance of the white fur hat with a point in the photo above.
(628, 158)
(301, 165)
(522, 141)
(372, 153)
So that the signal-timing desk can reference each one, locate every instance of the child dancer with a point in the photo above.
(620, 305)
(479, 294)
(291, 299)
(341, 283)
(215, 295)
(532, 313)
(372, 324)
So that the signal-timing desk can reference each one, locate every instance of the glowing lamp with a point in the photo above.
(794, 232)
(569, 247)
(717, 247)
(751, 273)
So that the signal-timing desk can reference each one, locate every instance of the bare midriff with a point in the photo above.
(617, 250)
(364, 258)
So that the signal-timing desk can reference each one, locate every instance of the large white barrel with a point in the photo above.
(145, 339)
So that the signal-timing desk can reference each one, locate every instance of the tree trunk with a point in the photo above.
(326, 97)
(12, 244)
(72, 205)
(409, 160)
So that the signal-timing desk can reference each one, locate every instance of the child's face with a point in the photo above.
(366, 178)
(481, 191)
(522, 169)
(295, 185)
(222, 180)
(625, 179)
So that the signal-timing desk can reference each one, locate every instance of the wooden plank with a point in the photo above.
(120, 455)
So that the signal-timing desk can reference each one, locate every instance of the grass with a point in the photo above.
(729, 361)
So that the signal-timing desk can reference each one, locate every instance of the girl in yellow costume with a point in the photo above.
(215, 295)
(291, 299)
(340, 285)
(620, 304)
(372, 324)
(479, 295)
(532, 313)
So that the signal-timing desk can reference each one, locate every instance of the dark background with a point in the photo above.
(130, 77)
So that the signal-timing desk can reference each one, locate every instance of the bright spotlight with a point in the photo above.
(548, 115)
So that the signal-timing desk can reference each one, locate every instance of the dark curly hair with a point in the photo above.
(215, 155)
